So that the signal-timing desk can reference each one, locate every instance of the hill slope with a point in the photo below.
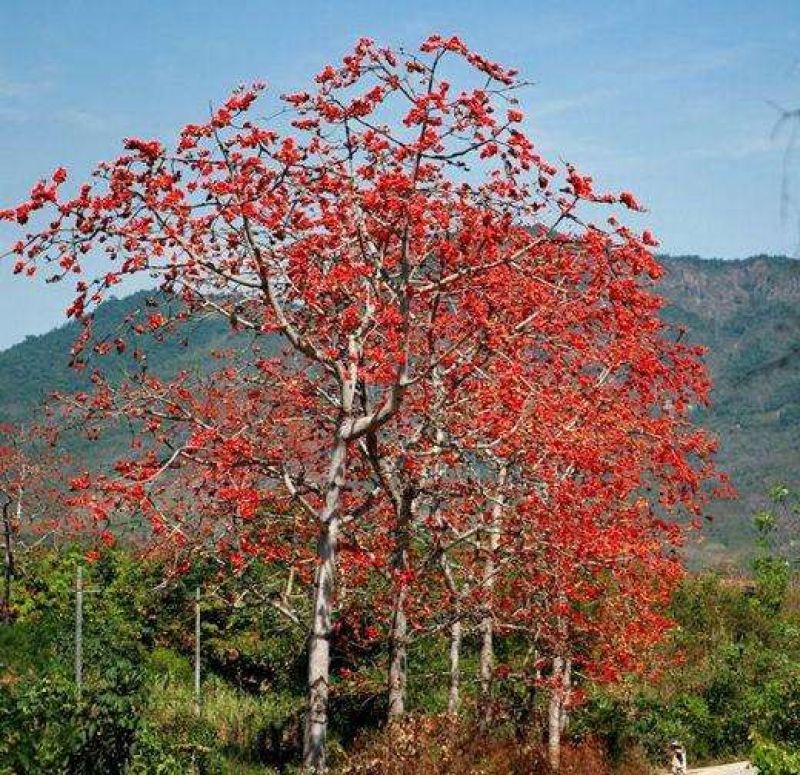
(31, 370)
(746, 312)
(39, 365)
(748, 315)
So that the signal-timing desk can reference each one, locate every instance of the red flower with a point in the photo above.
(649, 239)
(627, 198)
(81, 482)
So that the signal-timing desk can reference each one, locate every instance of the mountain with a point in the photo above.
(33, 369)
(747, 313)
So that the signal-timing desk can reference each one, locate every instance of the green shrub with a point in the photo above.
(778, 709)
(45, 729)
(771, 759)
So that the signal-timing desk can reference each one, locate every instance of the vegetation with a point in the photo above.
(747, 315)
(424, 445)
(726, 683)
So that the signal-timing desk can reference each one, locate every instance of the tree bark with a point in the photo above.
(454, 699)
(398, 637)
(554, 715)
(564, 720)
(486, 663)
(398, 659)
(485, 671)
(314, 746)
(8, 571)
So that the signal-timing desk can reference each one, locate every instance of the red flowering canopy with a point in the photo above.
(442, 306)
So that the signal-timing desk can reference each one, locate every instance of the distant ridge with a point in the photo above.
(747, 313)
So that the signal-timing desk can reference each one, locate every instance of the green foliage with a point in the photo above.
(732, 664)
(771, 759)
(137, 712)
(44, 728)
(231, 727)
(777, 705)
(730, 674)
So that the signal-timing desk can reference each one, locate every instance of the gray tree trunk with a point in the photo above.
(454, 699)
(314, 748)
(554, 715)
(398, 636)
(485, 672)
(564, 721)
(398, 659)
(486, 663)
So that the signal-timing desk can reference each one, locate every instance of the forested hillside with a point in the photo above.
(33, 369)
(747, 313)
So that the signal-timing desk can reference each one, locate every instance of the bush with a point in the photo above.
(778, 708)
(771, 759)
(440, 745)
(44, 729)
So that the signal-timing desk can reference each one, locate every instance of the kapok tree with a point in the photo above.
(349, 229)
(472, 413)
(596, 430)
(561, 389)
(596, 520)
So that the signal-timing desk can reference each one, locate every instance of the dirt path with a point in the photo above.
(739, 768)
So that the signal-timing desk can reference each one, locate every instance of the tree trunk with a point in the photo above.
(398, 658)
(486, 664)
(564, 721)
(554, 715)
(314, 746)
(8, 571)
(485, 670)
(398, 637)
(454, 699)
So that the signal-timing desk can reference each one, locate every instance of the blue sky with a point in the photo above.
(667, 99)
